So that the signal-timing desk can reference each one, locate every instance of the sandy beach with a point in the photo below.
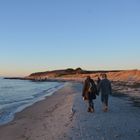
(64, 116)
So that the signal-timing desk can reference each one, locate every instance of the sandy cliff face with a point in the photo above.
(125, 75)
(129, 75)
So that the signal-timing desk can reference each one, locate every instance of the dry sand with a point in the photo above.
(64, 116)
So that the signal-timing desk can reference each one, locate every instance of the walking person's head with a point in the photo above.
(104, 76)
(88, 77)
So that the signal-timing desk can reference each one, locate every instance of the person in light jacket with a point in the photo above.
(105, 88)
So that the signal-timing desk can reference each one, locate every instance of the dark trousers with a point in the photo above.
(104, 99)
(90, 101)
(91, 104)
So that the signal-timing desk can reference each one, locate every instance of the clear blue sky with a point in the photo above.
(40, 35)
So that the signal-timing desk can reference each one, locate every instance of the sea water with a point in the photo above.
(15, 95)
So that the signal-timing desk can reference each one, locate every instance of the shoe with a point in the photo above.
(105, 109)
(90, 109)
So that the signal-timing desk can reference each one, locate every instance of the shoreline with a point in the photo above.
(37, 112)
(6, 119)
(64, 116)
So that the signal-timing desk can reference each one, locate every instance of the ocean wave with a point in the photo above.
(8, 108)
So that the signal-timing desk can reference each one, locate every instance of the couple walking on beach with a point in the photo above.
(90, 90)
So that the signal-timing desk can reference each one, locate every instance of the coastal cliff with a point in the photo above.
(80, 74)
(75, 74)
(69, 73)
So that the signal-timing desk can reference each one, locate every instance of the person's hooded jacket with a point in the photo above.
(89, 90)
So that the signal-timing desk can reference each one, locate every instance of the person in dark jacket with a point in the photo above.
(105, 88)
(98, 80)
(89, 92)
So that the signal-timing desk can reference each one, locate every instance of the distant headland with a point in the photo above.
(80, 74)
